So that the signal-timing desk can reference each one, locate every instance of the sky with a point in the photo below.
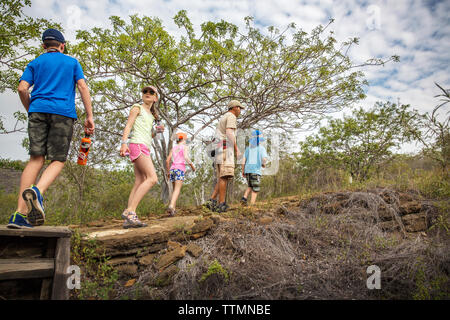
(417, 31)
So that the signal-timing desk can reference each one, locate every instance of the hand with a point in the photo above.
(160, 128)
(243, 174)
(124, 150)
(89, 126)
(168, 175)
(238, 154)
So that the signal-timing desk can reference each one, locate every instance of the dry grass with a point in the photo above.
(313, 252)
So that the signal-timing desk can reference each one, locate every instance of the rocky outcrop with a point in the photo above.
(158, 244)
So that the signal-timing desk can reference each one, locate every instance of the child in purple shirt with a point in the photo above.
(179, 156)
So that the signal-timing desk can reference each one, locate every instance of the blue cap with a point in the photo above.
(53, 34)
(256, 138)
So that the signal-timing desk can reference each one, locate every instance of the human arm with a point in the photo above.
(188, 159)
(243, 165)
(169, 158)
(24, 94)
(134, 112)
(230, 133)
(89, 125)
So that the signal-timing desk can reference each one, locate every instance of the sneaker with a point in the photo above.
(35, 203)
(171, 211)
(18, 221)
(222, 207)
(132, 221)
(243, 201)
(211, 204)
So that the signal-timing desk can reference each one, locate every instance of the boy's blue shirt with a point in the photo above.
(54, 76)
(253, 159)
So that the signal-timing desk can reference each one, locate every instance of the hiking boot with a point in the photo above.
(35, 203)
(19, 221)
(222, 207)
(211, 204)
(244, 201)
(132, 221)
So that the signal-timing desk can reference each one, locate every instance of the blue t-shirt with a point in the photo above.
(253, 159)
(54, 76)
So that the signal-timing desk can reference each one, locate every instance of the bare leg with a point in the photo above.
(49, 175)
(222, 189)
(216, 191)
(138, 179)
(247, 191)
(145, 167)
(28, 177)
(176, 193)
(254, 194)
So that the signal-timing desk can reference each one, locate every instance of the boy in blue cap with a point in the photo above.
(255, 157)
(51, 116)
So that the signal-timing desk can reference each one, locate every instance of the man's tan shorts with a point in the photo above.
(226, 168)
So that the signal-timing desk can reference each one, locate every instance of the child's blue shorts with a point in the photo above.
(176, 174)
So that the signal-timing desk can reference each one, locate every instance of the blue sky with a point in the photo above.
(417, 31)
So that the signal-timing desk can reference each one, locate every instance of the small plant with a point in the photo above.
(99, 277)
(215, 268)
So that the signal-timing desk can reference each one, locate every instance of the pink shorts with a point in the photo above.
(136, 149)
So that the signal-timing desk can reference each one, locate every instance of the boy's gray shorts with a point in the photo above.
(253, 181)
(50, 135)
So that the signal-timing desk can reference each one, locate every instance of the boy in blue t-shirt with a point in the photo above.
(51, 115)
(254, 158)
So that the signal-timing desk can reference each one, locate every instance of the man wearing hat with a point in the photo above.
(224, 155)
(51, 116)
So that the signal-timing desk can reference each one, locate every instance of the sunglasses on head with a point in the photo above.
(145, 91)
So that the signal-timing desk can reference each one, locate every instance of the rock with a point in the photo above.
(415, 222)
(147, 260)
(391, 225)
(194, 250)
(121, 260)
(165, 277)
(282, 210)
(410, 207)
(265, 220)
(127, 269)
(170, 257)
(172, 245)
(130, 282)
(202, 225)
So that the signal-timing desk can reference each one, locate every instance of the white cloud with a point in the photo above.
(420, 34)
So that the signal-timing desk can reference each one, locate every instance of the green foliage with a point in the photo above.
(215, 268)
(361, 143)
(428, 288)
(17, 34)
(12, 164)
(8, 203)
(435, 134)
(98, 278)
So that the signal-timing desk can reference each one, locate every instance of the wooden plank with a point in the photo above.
(26, 268)
(41, 231)
(62, 261)
(46, 286)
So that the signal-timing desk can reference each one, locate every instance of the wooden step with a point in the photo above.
(26, 268)
(41, 231)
